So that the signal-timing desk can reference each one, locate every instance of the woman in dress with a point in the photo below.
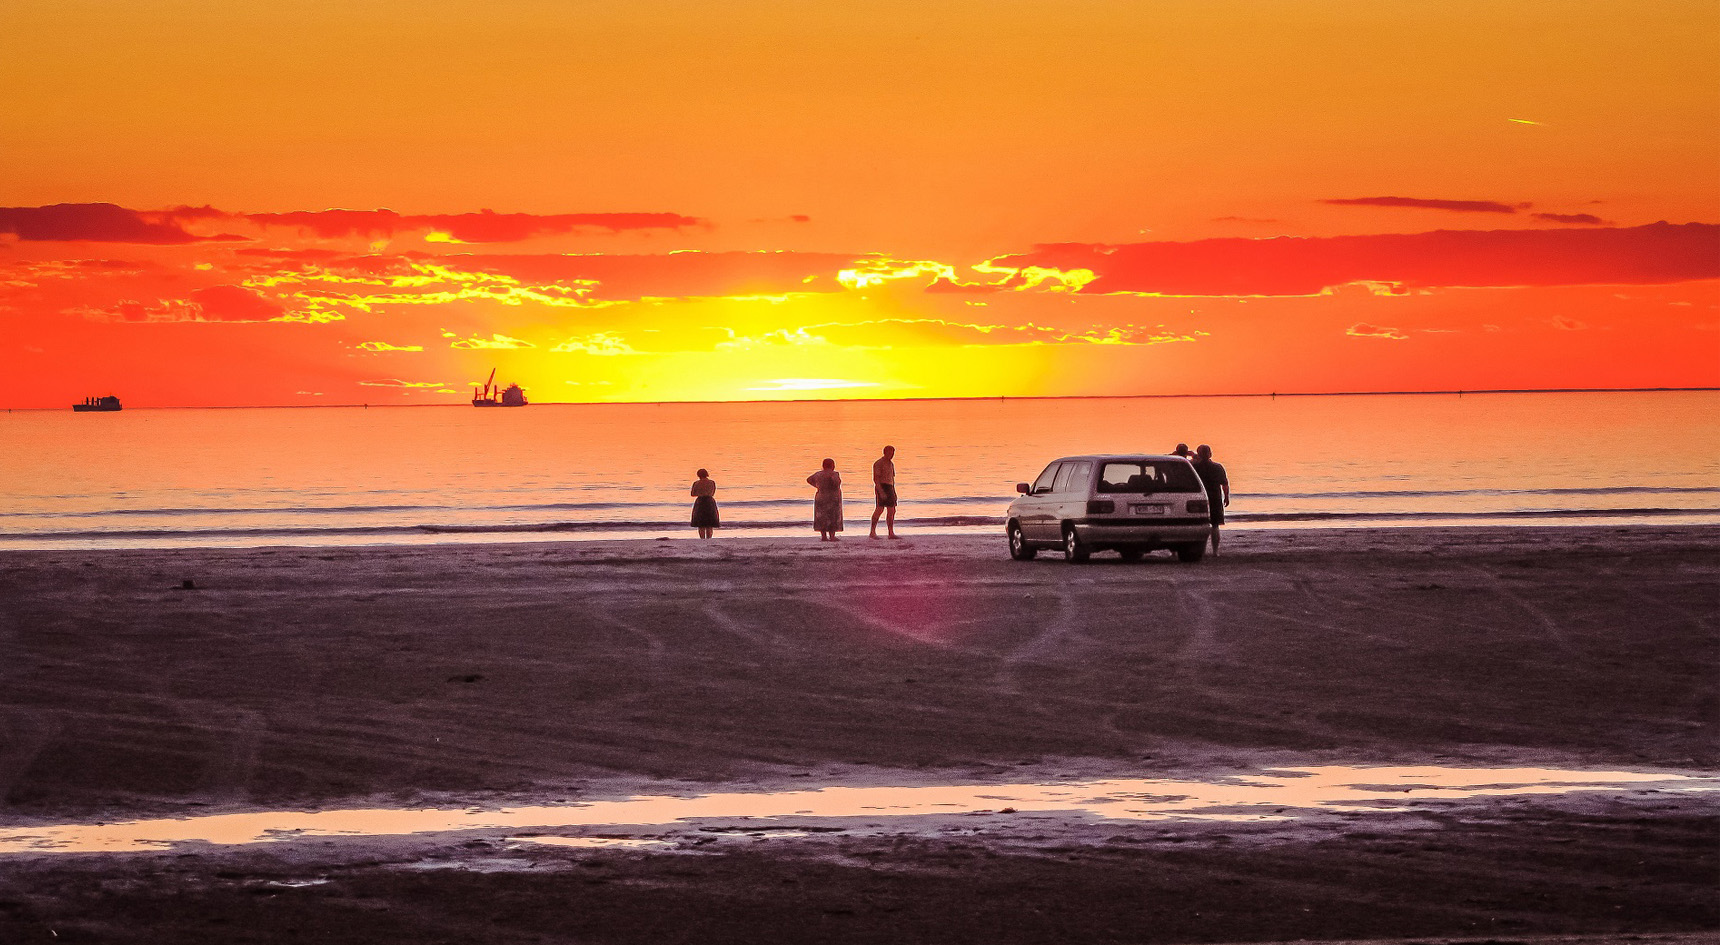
(705, 504)
(827, 505)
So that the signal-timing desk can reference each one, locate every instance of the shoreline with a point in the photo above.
(1272, 395)
(410, 536)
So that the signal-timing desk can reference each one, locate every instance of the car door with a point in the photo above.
(1037, 519)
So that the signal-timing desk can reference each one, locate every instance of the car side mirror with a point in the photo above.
(1024, 488)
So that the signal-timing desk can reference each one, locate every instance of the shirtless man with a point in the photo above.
(1217, 483)
(884, 486)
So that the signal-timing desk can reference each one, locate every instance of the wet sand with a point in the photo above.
(509, 674)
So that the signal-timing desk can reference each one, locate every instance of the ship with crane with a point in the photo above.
(492, 396)
(107, 404)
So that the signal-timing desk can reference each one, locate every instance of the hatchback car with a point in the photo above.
(1126, 503)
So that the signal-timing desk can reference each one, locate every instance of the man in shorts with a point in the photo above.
(1217, 485)
(884, 487)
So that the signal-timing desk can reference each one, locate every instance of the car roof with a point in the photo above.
(1126, 457)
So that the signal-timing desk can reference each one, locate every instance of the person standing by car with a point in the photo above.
(884, 488)
(1217, 484)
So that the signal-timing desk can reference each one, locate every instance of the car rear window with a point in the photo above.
(1150, 476)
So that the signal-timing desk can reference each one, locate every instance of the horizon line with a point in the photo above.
(1000, 397)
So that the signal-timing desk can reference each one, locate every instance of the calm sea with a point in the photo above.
(351, 475)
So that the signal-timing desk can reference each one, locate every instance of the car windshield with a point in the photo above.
(1162, 475)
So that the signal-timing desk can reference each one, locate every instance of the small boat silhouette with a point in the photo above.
(491, 396)
(98, 405)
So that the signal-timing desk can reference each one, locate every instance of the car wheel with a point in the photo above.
(1073, 550)
(1018, 547)
(1191, 552)
(1129, 554)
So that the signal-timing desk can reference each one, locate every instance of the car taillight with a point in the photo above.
(1198, 507)
(1100, 506)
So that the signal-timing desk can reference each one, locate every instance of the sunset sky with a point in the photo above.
(209, 203)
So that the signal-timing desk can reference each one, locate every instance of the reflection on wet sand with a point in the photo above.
(1271, 795)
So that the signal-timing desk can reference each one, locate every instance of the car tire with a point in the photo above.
(1073, 550)
(1129, 554)
(1019, 549)
(1191, 552)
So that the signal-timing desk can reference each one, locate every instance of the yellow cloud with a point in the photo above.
(781, 336)
(1028, 278)
(496, 341)
(385, 346)
(602, 344)
(880, 271)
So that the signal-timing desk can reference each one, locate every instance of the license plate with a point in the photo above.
(1147, 509)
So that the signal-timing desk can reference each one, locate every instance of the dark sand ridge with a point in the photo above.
(491, 673)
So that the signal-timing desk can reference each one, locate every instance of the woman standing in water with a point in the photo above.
(827, 505)
(705, 504)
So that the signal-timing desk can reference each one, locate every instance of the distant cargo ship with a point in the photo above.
(98, 404)
(491, 396)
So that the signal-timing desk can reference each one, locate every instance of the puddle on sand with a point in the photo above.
(1275, 794)
(589, 841)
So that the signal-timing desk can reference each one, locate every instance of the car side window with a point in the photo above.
(1042, 485)
(1081, 477)
(1072, 477)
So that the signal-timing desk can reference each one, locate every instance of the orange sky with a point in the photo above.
(770, 199)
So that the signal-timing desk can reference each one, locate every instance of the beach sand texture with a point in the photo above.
(401, 676)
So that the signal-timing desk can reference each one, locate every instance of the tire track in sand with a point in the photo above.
(1055, 635)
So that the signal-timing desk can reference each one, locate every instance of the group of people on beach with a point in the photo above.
(826, 503)
(827, 498)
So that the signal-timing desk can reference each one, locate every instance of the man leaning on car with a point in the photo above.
(1217, 487)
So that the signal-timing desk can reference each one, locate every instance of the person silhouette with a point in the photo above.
(827, 504)
(705, 504)
(1217, 484)
(884, 489)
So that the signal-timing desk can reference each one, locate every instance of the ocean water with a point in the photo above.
(354, 475)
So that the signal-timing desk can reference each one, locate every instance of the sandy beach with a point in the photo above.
(501, 675)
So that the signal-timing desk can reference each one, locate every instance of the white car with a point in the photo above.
(1126, 503)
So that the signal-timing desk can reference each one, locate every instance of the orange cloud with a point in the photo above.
(485, 226)
(1457, 206)
(1365, 330)
(1586, 218)
(617, 277)
(1284, 266)
(110, 223)
(230, 303)
(97, 223)
(219, 303)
